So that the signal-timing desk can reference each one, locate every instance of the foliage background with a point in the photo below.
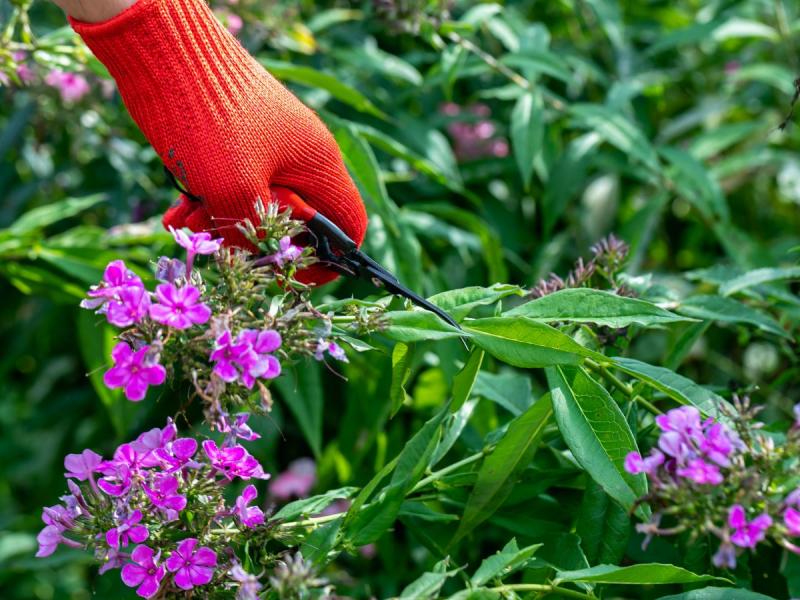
(654, 120)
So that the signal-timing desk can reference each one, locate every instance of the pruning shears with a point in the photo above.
(338, 251)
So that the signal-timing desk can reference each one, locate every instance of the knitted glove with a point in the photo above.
(225, 127)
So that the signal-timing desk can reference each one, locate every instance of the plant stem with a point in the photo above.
(450, 468)
(625, 388)
(540, 587)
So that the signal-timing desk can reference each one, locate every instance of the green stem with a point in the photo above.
(540, 587)
(450, 468)
(625, 388)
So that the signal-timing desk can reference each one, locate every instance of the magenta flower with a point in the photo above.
(116, 278)
(264, 365)
(684, 421)
(127, 461)
(675, 445)
(179, 307)
(192, 566)
(719, 443)
(164, 493)
(169, 270)
(635, 464)
(57, 520)
(233, 461)
(71, 86)
(110, 559)
(791, 518)
(150, 441)
(249, 516)
(133, 371)
(129, 530)
(81, 466)
(176, 455)
(332, 348)
(229, 355)
(237, 429)
(701, 472)
(747, 534)
(725, 557)
(144, 572)
(195, 243)
(287, 252)
(249, 586)
(296, 481)
(131, 306)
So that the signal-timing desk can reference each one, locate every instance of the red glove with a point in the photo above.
(225, 127)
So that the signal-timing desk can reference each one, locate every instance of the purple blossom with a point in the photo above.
(177, 455)
(684, 421)
(791, 518)
(81, 466)
(116, 278)
(131, 306)
(675, 445)
(71, 86)
(249, 587)
(129, 530)
(179, 307)
(195, 243)
(265, 365)
(110, 559)
(228, 354)
(192, 566)
(332, 348)
(635, 464)
(701, 472)
(119, 471)
(287, 252)
(719, 443)
(233, 461)
(57, 520)
(725, 557)
(169, 270)
(236, 429)
(144, 571)
(133, 371)
(296, 481)
(249, 516)
(747, 534)
(150, 441)
(164, 493)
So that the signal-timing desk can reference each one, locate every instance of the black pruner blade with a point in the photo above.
(341, 253)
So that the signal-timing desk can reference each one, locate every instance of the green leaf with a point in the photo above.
(586, 305)
(303, 395)
(511, 390)
(728, 310)
(717, 593)
(452, 429)
(603, 526)
(503, 563)
(677, 387)
(618, 131)
(758, 277)
(417, 326)
(312, 505)
(643, 574)
(331, 84)
(402, 355)
(527, 132)
(49, 214)
(696, 184)
(320, 542)
(501, 469)
(537, 62)
(464, 380)
(522, 342)
(459, 303)
(428, 584)
(567, 178)
(597, 433)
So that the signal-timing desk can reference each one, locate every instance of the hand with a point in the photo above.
(93, 11)
(225, 127)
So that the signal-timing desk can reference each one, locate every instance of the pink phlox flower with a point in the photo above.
(296, 481)
(249, 586)
(791, 518)
(332, 348)
(236, 429)
(144, 571)
(81, 466)
(287, 252)
(71, 86)
(635, 463)
(179, 307)
(719, 443)
(725, 557)
(264, 365)
(685, 421)
(229, 356)
(110, 558)
(120, 471)
(701, 472)
(233, 461)
(57, 520)
(116, 278)
(793, 499)
(164, 493)
(128, 531)
(177, 455)
(131, 306)
(747, 534)
(249, 516)
(675, 445)
(169, 270)
(133, 371)
(150, 441)
(195, 243)
(192, 566)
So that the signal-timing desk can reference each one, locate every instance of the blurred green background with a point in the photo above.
(654, 120)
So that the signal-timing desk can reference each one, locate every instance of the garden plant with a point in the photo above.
(602, 197)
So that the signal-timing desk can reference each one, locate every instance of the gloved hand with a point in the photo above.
(225, 127)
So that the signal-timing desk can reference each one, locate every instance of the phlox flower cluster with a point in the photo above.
(726, 479)
(131, 509)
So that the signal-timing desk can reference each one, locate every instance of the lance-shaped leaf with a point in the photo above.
(649, 573)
